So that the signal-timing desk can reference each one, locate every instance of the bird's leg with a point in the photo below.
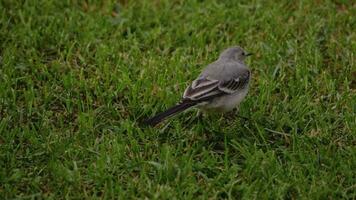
(233, 114)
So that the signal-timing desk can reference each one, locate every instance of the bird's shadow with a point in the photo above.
(214, 130)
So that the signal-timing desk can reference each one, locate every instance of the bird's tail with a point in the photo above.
(171, 111)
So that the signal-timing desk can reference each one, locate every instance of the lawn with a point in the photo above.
(76, 77)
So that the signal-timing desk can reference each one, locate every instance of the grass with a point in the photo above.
(77, 76)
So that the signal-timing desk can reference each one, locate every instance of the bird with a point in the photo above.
(220, 87)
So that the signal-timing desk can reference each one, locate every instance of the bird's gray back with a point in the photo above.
(224, 70)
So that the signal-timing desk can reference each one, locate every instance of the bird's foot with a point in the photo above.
(233, 114)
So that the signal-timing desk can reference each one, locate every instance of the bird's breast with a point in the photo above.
(225, 103)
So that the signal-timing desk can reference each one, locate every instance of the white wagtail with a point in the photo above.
(220, 87)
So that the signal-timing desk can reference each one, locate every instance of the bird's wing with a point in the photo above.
(206, 88)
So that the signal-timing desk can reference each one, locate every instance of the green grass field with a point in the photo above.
(76, 77)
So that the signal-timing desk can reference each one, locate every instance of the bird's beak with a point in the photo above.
(249, 54)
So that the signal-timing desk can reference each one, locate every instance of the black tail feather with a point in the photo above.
(171, 111)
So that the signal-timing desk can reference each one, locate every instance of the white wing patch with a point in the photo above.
(201, 88)
(205, 88)
(234, 85)
(227, 90)
(201, 82)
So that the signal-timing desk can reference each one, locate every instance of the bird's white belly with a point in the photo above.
(225, 103)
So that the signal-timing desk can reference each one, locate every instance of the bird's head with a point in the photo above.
(234, 53)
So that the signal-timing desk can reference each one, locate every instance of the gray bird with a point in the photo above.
(220, 87)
